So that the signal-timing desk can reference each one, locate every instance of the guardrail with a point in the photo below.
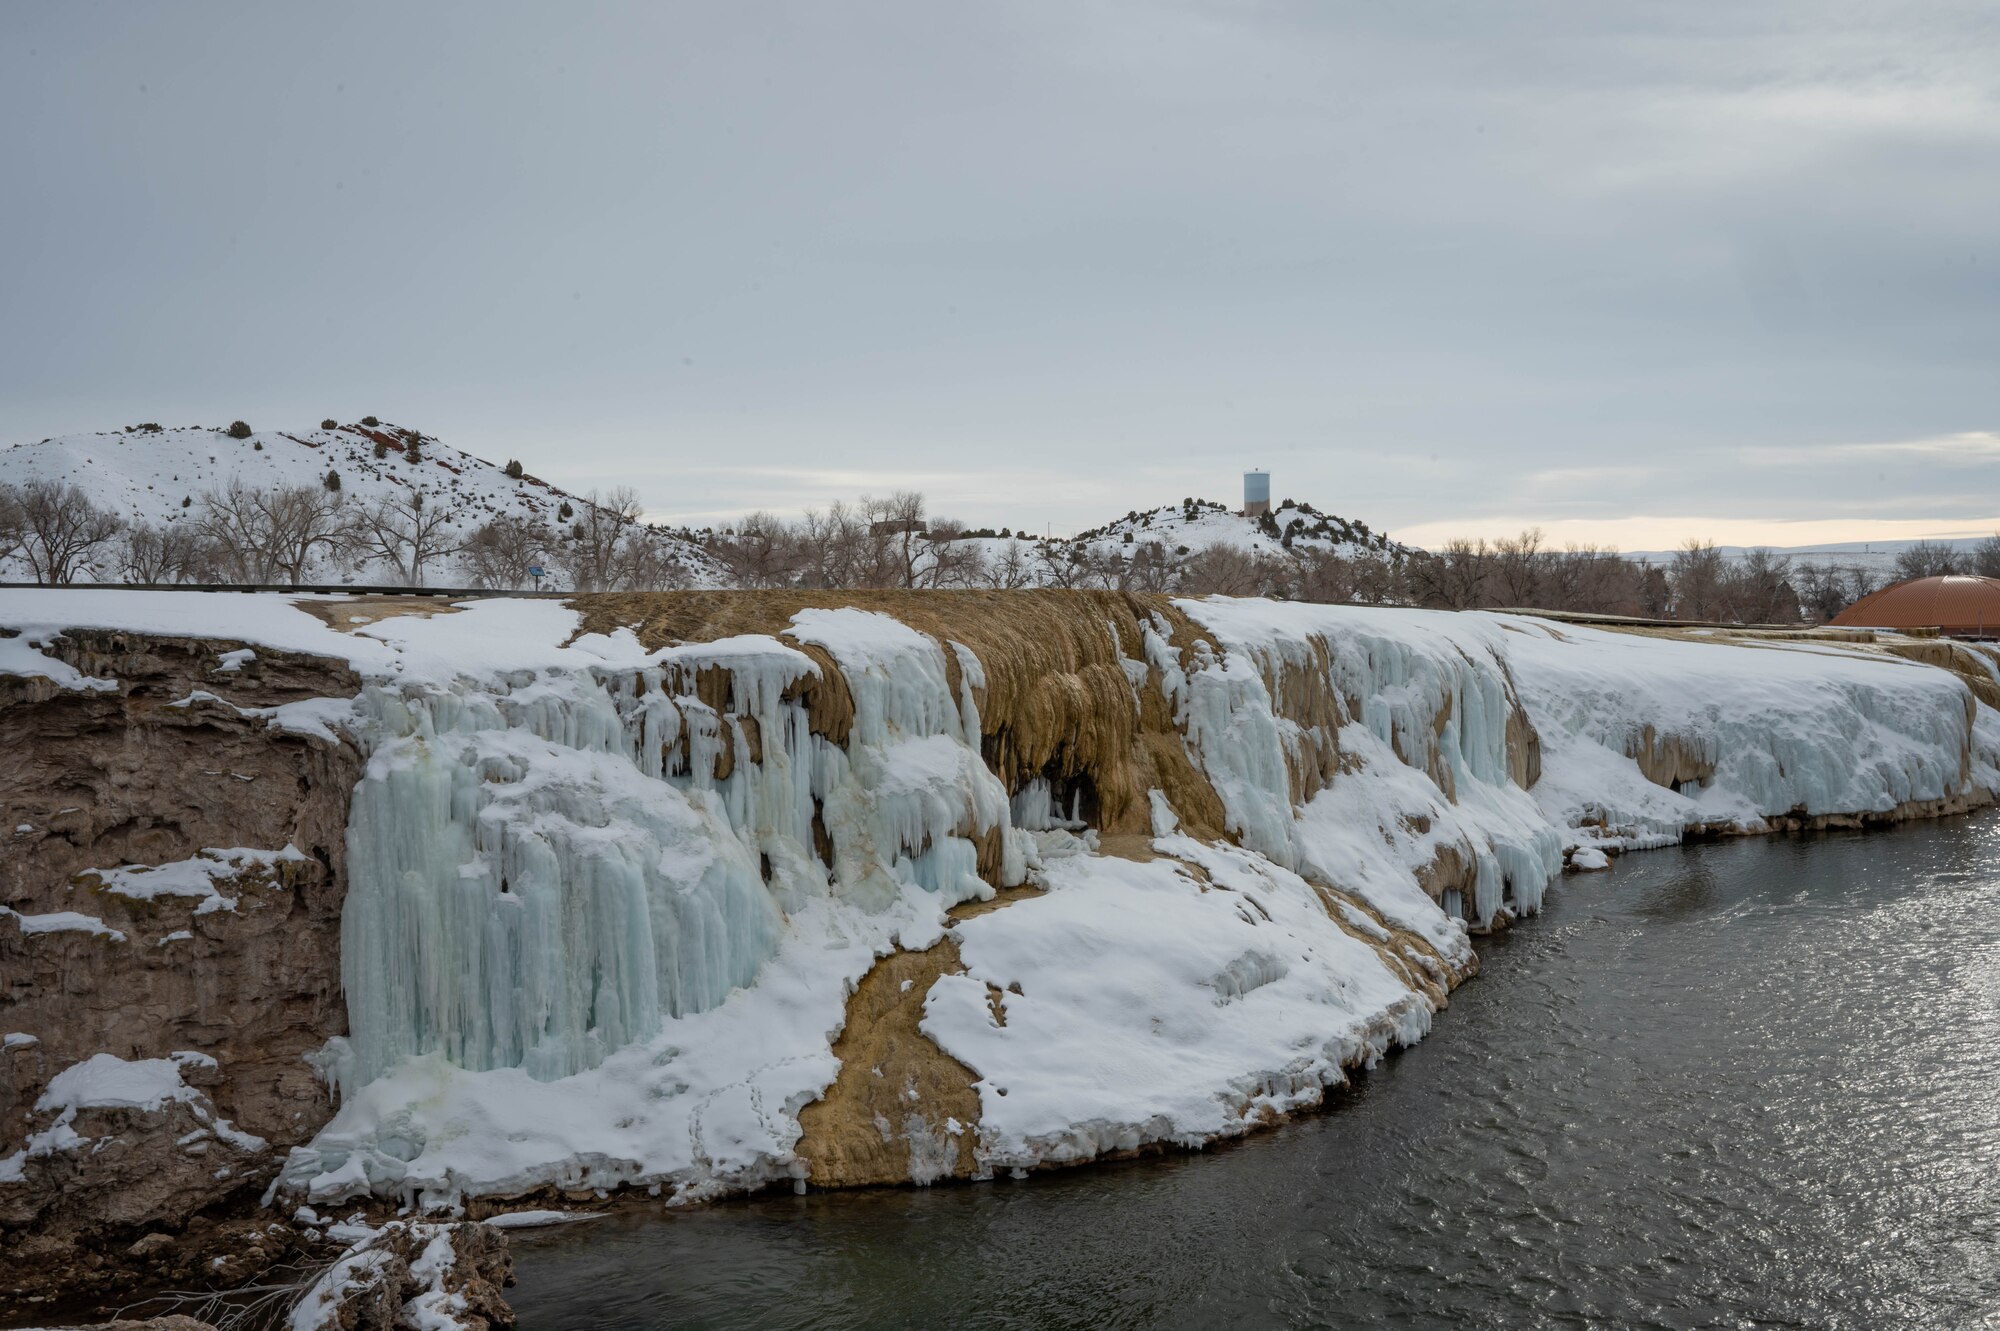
(1640, 622)
(317, 589)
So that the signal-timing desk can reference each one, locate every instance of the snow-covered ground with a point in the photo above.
(602, 932)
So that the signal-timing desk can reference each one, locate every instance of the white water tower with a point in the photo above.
(1256, 493)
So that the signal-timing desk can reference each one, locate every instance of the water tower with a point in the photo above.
(1256, 493)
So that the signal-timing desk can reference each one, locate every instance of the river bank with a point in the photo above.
(1740, 1081)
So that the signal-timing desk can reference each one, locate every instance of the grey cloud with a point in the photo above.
(1048, 260)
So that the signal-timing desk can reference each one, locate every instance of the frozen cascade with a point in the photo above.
(1421, 725)
(523, 894)
(542, 867)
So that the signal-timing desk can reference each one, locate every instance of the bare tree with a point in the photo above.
(1984, 558)
(13, 522)
(1822, 591)
(898, 524)
(1321, 575)
(1012, 568)
(762, 551)
(306, 522)
(1514, 576)
(841, 548)
(234, 525)
(499, 554)
(404, 532)
(643, 562)
(1152, 568)
(1454, 577)
(173, 553)
(948, 558)
(1697, 577)
(1927, 559)
(833, 547)
(273, 535)
(1757, 589)
(1066, 564)
(1224, 570)
(597, 537)
(61, 531)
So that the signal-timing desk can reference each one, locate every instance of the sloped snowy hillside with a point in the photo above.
(158, 476)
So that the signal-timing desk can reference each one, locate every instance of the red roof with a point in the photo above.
(1953, 604)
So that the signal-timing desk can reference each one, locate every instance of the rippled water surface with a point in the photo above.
(1748, 1084)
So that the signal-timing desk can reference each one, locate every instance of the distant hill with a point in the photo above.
(157, 476)
(1199, 523)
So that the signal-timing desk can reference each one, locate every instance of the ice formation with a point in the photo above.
(607, 903)
(543, 867)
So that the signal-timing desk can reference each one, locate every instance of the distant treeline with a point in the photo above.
(292, 534)
(295, 534)
(893, 543)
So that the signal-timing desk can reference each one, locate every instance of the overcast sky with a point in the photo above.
(1631, 272)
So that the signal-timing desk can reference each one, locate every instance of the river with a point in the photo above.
(1752, 1083)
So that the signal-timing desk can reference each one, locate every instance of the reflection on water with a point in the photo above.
(1749, 1084)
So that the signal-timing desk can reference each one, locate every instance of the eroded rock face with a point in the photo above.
(232, 963)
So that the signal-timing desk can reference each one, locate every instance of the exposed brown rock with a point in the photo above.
(889, 1115)
(95, 780)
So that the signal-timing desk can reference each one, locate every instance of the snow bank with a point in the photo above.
(1136, 1003)
(1758, 730)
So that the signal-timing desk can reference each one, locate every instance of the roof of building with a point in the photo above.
(1953, 604)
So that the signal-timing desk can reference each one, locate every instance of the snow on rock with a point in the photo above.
(62, 921)
(18, 656)
(606, 904)
(1738, 733)
(196, 877)
(107, 1082)
(104, 1082)
(428, 1277)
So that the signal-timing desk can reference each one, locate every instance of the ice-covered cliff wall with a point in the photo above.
(1056, 874)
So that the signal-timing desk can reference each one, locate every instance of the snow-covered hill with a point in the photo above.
(154, 475)
(1142, 548)
(1200, 523)
(155, 480)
